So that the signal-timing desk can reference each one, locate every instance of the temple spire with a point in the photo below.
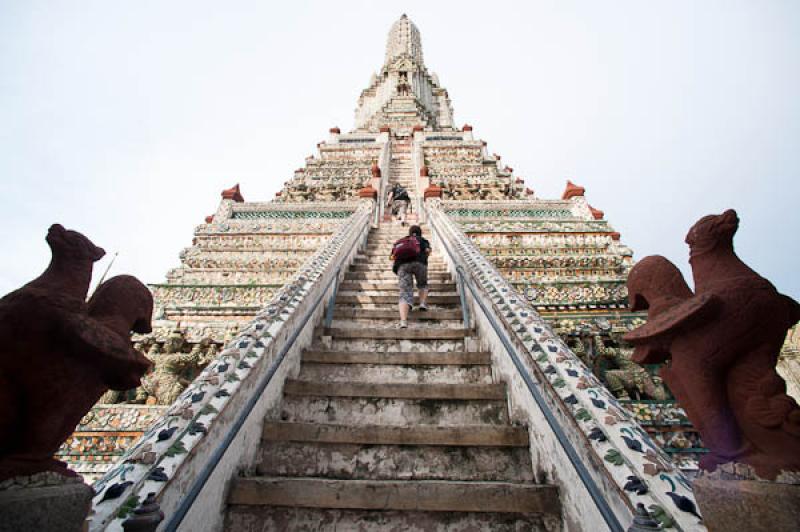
(404, 40)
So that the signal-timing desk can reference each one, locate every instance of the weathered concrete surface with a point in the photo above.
(397, 373)
(395, 412)
(439, 333)
(375, 298)
(481, 435)
(749, 505)
(390, 346)
(266, 518)
(387, 275)
(395, 390)
(391, 313)
(400, 462)
(45, 509)
(408, 359)
(438, 496)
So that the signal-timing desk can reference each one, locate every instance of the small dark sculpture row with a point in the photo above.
(721, 346)
(59, 354)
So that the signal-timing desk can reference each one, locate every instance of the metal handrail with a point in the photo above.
(583, 473)
(200, 480)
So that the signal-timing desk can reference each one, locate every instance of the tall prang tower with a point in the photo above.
(561, 255)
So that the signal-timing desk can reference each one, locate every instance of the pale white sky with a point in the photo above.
(125, 120)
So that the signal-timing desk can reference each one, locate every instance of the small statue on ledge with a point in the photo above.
(721, 347)
(59, 354)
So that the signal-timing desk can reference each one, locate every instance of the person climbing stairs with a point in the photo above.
(393, 429)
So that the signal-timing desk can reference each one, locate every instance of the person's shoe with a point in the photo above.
(423, 308)
(403, 324)
(403, 223)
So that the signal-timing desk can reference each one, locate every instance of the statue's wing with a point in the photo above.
(681, 315)
(111, 354)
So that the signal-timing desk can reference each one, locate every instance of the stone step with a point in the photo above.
(385, 275)
(409, 495)
(393, 298)
(360, 411)
(433, 260)
(439, 333)
(388, 268)
(394, 462)
(424, 358)
(384, 390)
(388, 324)
(241, 518)
(358, 313)
(391, 345)
(395, 373)
(391, 286)
(473, 435)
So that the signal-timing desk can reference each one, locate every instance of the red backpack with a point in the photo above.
(406, 248)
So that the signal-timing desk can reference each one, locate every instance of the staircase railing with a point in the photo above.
(188, 457)
(602, 460)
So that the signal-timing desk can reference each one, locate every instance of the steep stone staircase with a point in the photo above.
(393, 429)
(401, 170)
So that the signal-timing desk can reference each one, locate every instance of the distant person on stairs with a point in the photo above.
(410, 256)
(398, 201)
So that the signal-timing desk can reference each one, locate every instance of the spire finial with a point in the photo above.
(404, 39)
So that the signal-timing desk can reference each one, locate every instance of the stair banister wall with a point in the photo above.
(592, 475)
(212, 432)
(383, 163)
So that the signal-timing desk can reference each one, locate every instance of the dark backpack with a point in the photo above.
(406, 248)
(399, 193)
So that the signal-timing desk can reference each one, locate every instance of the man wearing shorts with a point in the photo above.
(409, 270)
(398, 201)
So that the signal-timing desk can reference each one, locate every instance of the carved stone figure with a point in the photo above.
(723, 342)
(167, 381)
(58, 354)
(626, 379)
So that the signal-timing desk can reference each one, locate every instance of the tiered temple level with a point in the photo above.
(239, 259)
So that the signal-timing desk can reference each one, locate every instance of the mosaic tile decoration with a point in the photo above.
(153, 460)
(633, 461)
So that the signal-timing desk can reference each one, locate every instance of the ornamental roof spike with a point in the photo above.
(597, 214)
(233, 193)
(572, 190)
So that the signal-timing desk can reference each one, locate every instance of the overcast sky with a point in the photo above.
(125, 120)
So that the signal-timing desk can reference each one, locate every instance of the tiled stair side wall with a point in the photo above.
(168, 456)
(621, 456)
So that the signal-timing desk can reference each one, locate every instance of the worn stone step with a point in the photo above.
(443, 333)
(391, 314)
(394, 462)
(384, 257)
(387, 324)
(410, 495)
(406, 359)
(395, 373)
(353, 286)
(359, 411)
(378, 249)
(472, 435)
(391, 345)
(387, 275)
(241, 518)
(386, 390)
(373, 267)
(434, 299)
